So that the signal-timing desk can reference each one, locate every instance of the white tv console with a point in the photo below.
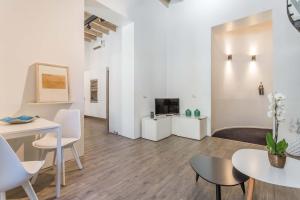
(163, 126)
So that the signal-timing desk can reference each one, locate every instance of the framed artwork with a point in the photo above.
(94, 90)
(52, 83)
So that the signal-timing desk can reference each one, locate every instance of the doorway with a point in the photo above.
(109, 42)
(99, 36)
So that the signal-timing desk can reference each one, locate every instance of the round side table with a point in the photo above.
(255, 164)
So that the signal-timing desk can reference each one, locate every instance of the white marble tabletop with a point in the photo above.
(255, 164)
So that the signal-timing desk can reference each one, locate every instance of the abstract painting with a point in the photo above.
(52, 83)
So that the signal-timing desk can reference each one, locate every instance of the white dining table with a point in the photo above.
(255, 164)
(39, 126)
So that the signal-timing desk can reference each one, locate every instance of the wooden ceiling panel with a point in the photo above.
(89, 36)
(95, 27)
(98, 32)
(93, 32)
(87, 39)
(99, 28)
(106, 24)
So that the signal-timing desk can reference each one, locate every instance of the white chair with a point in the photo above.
(71, 133)
(14, 173)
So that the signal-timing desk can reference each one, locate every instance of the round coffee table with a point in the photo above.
(255, 164)
(217, 171)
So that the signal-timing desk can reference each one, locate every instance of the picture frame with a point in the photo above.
(94, 91)
(52, 83)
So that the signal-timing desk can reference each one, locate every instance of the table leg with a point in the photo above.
(63, 168)
(197, 177)
(250, 191)
(58, 162)
(243, 187)
(218, 192)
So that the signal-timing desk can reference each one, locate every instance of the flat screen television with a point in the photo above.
(166, 106)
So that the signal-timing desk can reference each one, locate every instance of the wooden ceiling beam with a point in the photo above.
(92, 32)
(95, 27)
(99, 28)
(106, 24)
(87, 39)
(91, 37)
(97, 31)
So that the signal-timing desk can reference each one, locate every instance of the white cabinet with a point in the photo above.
(156, 129)
(164, 126)
(189, 127)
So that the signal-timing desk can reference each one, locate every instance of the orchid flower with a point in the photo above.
(276, 110)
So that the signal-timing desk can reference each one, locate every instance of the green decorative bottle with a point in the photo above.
(188, 113)
(197, 113)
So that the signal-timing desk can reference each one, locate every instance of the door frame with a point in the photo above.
(107, 99)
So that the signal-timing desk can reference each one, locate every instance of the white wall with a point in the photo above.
(121, 83)
(235, 83)
(127, 88)
(286, 42)
(150, 57)
(118, 6)
(189, 49)
(115, 81)
(47, 31)
(182, 34)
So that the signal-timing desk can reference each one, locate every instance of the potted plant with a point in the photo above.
(276, 149)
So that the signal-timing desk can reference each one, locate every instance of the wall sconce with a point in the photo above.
(229, 57)
(253, 58)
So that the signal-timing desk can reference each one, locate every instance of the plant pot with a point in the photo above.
(277, 160)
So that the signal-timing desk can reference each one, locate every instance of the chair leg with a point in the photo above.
(63, 181)
(29, 191)
(2, 196)
(76, 156)
(197, 177)
(43, 154)
(54, 160)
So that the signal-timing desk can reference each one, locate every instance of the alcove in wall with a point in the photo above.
(241, 60)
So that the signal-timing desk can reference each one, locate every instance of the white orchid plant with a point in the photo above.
(276, 112)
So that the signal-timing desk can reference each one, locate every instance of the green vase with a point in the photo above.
(188, 113)
(197, 113)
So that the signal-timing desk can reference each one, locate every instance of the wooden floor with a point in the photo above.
(116, 168)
